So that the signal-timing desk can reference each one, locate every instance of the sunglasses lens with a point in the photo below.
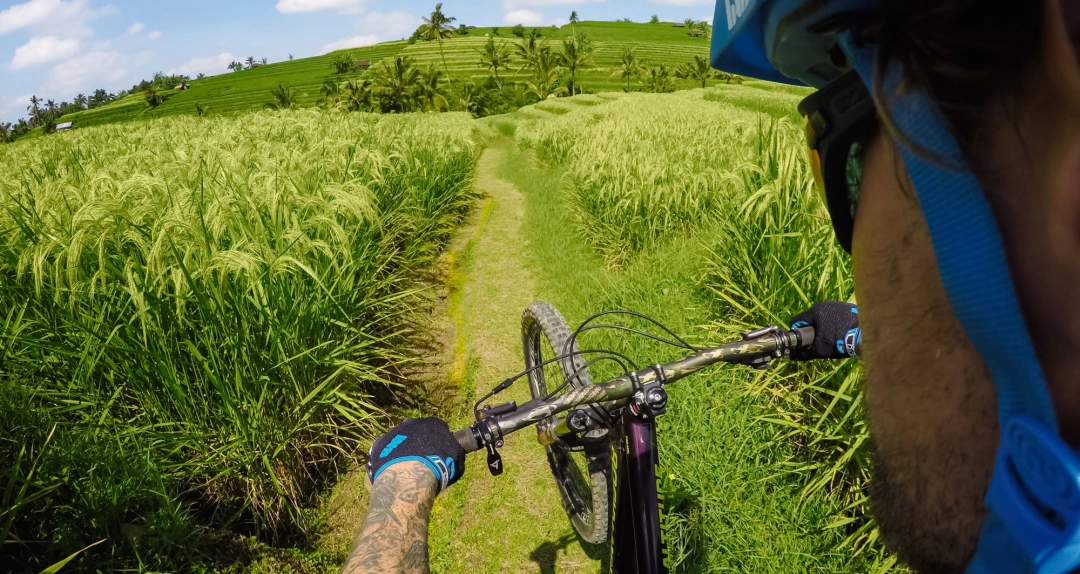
(854, 172)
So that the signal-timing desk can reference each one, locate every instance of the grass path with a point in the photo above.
(515, 522)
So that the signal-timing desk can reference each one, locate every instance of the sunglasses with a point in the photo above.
(840, 118)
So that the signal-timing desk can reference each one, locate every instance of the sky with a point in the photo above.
(56, 49)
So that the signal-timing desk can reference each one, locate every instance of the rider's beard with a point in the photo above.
(930, 402)
(934, 431)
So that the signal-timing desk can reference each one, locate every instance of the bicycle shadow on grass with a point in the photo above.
(547, 554)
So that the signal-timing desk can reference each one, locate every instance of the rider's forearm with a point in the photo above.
(394, 537)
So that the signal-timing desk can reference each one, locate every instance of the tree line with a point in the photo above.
(47, 113)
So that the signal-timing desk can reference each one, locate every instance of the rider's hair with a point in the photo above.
(966, 54)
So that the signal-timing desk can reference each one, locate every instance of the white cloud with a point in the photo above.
(354, 42)
(511, 5)
(155, 35)
(92, 69)
(23, 15)
(525, 17)
(396, 24)
(209, 66)
(294, 6)
(683, 2)
(42, 50)
(135, 28)
(18, 103)
(67, 19)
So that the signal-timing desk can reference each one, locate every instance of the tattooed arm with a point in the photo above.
(394, 536)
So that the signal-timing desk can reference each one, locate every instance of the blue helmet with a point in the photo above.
(1034, 493)
(788, 41)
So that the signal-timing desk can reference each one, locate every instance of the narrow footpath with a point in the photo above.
(513, 522)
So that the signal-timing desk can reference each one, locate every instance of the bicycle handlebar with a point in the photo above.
(775, 343)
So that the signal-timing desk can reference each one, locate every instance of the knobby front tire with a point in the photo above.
(583, 475)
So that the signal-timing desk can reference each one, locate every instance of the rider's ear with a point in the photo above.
(1061, 47)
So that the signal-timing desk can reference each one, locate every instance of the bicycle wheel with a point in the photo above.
(583, 474)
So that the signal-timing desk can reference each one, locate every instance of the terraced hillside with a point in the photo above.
(250, 89)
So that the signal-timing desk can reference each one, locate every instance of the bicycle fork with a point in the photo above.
(638, 536)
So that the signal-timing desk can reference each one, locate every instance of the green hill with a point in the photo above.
(246, 90)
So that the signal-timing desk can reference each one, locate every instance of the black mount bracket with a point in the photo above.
(490, 435)
(649, 400)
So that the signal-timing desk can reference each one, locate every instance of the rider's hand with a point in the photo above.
(426, 440)
(836, 331)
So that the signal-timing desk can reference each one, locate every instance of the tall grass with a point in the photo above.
(218, 304)
(727, 168)
(642, 168)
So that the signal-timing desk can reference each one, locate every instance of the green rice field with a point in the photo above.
(204, 321)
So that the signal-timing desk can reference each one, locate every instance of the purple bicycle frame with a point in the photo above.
(638, 536)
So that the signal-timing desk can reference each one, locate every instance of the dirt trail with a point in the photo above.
(513, 522)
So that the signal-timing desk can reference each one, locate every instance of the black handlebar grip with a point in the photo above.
(806, 334)
(466, 439)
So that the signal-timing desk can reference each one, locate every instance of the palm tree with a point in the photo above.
(545, 68)
(655, 19)
(659, 80)
(438, 28)
(7, 133)
(290, 57)
(395, 83)
(35, 109)
(357, 96)
(690, 24)
(52, 106)
(250, 62)
(575, 55)
(100, 97)
(706, 29)
(573, 20)
(264, 61)
(80, 100)
(494, 56)
(530, 47)
(330, 90)
(629, 66)
(342, 63)
(466, 99)
(283, 98)
(699, 70)
(235, 66)
(427, 90)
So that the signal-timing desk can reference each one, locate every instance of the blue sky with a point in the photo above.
(59, 48)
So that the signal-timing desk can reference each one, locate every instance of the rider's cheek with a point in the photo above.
(1065, 214)
(1061, 47)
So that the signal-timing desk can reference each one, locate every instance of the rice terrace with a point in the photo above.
(216, 292)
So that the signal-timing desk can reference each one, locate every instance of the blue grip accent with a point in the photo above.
(1030, 528)
(394, 443)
